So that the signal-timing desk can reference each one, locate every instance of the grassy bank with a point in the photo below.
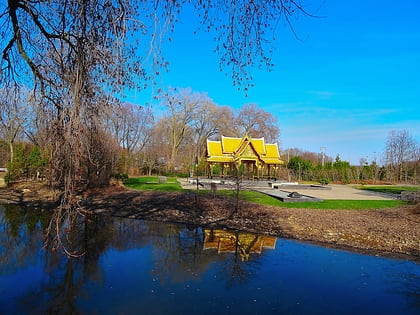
(263, 199)
(152, 183)
(395, 190)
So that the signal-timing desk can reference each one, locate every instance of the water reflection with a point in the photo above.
(166, 268)
(20, 237)
(177, 253)
(239, 243)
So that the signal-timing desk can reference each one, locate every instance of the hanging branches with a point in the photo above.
(77, 53)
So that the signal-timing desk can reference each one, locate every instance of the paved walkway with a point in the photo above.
(343, 192)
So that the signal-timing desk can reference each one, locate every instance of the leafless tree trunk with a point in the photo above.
(131, 124)
(78, 50)
(182, 106)
(13, 115)
(400, 150)
(74, 52)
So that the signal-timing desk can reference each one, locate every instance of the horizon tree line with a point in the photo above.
(400, 162)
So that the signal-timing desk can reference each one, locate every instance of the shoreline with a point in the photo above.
(391, 232)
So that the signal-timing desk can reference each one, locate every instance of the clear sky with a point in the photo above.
(352, 78)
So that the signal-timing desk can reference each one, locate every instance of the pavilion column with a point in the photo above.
(260, 170)
(211, 165)
(275, 171)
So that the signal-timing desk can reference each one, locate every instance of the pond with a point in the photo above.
(134, 267)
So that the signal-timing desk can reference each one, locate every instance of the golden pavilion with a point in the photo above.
(259, 159)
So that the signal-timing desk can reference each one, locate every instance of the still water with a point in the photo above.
(141, 267)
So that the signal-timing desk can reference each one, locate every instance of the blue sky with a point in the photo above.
(352, 78)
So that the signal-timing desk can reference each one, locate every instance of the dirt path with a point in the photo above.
(393, 231)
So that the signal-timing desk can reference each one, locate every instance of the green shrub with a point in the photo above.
(8, 178)
(324, 181)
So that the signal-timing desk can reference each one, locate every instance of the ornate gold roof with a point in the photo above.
(215, 152)
(230, 149)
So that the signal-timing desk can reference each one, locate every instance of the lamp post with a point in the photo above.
(196, 171)
(375, 167)
(322, 156)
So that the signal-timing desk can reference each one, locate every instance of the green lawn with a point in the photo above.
(152, 183)
(263, 199)
(346, 204)
(390, 189)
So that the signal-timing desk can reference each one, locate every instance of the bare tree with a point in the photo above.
(182, 106)
(157, 151)
(245, 31)
(416, 164)
(75, 52)
(209, 121)
(400, 150)
(13, 115)
(131, 124)
(256, 122)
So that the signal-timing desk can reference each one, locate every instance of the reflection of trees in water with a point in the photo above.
(408, 285)
(69, 275)
(239, 266)
(236, 271)
(93, 236)
(178, 252)
(131, 233)
(182, 253)
(20, 237)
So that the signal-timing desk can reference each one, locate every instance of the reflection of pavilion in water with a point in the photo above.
(241, 243)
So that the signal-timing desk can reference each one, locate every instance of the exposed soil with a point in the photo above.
(388, 232)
